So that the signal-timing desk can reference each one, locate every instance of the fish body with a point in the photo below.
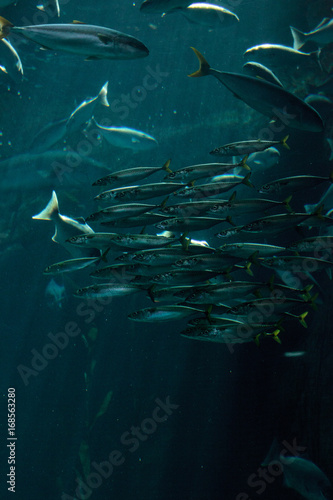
(265, 97)
(171, 293)
(195, 172)
(189, 209)
(296, 263)
(84, 112)
(275, 224)
(276, 56)
(10, 61)
(93, 42)
(166, 256)
(292, 184)
(322, 35)
(137, 193)
(107, 290)
(116, 212)
(246, 250)
(222, 292)
(224, 334)
(145, 219)
(161, 6)
(247, 147)
(183, 224)
(130, 175)
(206, 14)
(48, 136)
(65, 227)
(183, 277)
(258, 70)
(127, 138)
(204, 262)
(237, 207)
(212, 188)
(163, 313)
(71, 265)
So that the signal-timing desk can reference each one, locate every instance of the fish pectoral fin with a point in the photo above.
(104, 38)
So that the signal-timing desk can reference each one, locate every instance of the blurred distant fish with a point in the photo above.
(50, 6)
(207, 14)
(84, 112)
(274, 56)
(10, 61)
(264, 159)
(260, 71)
(322, 34)
(48, 136)
(265, 97)
(128, 138)
(55, 294)
(93, 42)
(65, 227)
(160, 6)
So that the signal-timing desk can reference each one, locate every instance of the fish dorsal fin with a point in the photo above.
(322, 23)
(78, 22)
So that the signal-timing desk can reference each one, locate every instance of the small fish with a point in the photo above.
(246, 250)
(195, 172)
(204, 262)
(65, 227)
(137, 193)
(225, 334)
(266, 98)
(222, 292)
(166, 256)
(260, 71)
(84, 112)
(183, 277)
(188, 209)
(128, 138)
(213, 188)
(107, 290)
(93, 42)
(71, 265)
(121, 211)
(10, 61)
(247, 147)
(163, 313)
(296, 183)
(237, 207)
(130, 175)
(322, 34)
(313, 244)
(206, 14)
(143, 220)
(168, 294)
(182, 225)
(296, 263)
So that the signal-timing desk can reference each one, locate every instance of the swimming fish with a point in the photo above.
(265, 97)
(260, 71)
(128, 138)
(130, 175)
(85, 110)
(10, 61)
(321, 34)
(247, 147)
(93, 42)
(207, 14)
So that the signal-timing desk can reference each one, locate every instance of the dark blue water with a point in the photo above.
(186, 420)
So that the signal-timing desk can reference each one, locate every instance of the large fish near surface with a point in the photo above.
(65, 227)
(265, 97)
(207, 14)
(93, 42)
(127, 138)
(10, 61)
(160, 6)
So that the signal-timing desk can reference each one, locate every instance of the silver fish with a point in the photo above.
(322, 34)
(143, 192)
(247, 147)
(183, 224)
(201, 171)
(121, 211)
(206, 14)
(93, 42)
(107, 290)
(130, 175)
(163, 313)
(71, 265)
(84, 112)
(260, 71)
(128, 138)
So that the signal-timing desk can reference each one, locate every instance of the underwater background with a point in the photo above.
(226, 407)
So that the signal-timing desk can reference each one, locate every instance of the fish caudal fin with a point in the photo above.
(103, 95)
(204, 66)
(166, 167)
(284, 142)
(299, 38)
(51, 209)
(4, 27)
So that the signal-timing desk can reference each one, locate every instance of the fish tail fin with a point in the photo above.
(299, 38)
(166, 167)
(275, 336)
(310, 208)
(185, 242)
(247, 182)
(164, 202)
(284, 142)
(230, 221)
(4, 27)
(331, 176)
(248, 269)
(286, 203)
(103, 95)
(244, 164)
(51, 209)
(204, 66)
